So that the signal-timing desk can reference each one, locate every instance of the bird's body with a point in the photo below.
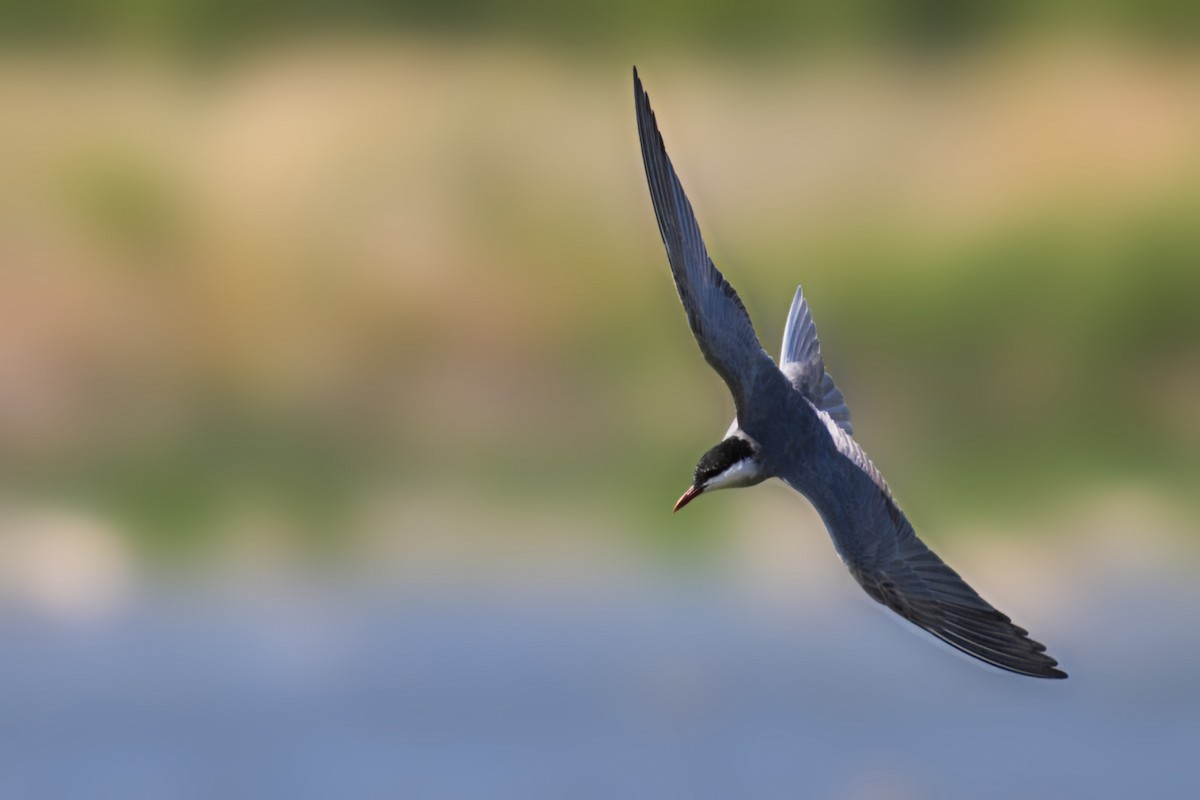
(792, 423)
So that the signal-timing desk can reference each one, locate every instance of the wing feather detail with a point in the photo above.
(715, 313)
(800, 359)
(895, 568)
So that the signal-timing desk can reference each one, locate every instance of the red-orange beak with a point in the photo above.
(691, 494)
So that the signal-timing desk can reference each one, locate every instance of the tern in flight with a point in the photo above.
(792, 423)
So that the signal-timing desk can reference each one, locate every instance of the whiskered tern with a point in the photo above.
(791, 422)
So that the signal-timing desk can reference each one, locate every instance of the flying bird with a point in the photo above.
(791, 422)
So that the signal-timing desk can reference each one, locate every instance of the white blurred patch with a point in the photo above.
(62, 563)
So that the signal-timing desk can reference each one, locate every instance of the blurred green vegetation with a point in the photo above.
(755, 25)
(1063, 356)
(417, 271)
(1034, 364)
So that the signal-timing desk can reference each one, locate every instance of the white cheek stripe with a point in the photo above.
(742, 473)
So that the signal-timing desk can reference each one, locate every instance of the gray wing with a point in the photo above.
(884, 555)
(800, 359)
(714, 311)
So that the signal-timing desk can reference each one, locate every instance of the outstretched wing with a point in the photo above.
(918, 586)
(883, 553)
(801, 362)
(714, 311)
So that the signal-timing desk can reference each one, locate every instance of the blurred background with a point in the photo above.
(344, 396)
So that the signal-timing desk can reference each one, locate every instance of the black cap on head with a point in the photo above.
(722, 457)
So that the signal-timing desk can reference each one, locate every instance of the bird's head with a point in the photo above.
(734, 462)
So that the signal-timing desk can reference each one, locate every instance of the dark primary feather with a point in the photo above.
(918, 586)
(883, 553)
(801, 361)
(714, 311)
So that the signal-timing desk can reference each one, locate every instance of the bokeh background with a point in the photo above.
(344, 397)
